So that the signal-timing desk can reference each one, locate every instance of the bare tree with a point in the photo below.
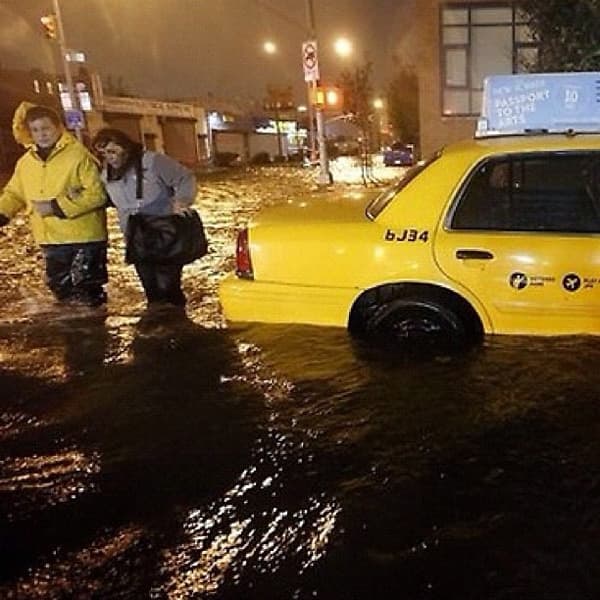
(403, 103)
(358, 92)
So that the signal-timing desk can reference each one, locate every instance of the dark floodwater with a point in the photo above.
(177, 458)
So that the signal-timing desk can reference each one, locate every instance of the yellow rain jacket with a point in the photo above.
(71, 176)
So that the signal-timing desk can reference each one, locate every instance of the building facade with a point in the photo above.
(176, 128)
(462, 43)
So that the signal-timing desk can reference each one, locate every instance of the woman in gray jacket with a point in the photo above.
(141, 181)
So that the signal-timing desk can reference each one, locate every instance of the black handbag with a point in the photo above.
(175, 239)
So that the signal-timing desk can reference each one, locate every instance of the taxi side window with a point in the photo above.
(542, 192)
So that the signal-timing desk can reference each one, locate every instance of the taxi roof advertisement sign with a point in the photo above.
(514, 104)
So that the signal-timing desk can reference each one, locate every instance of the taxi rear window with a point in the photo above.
(377, 205)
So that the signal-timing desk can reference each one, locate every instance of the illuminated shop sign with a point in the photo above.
(285, 127)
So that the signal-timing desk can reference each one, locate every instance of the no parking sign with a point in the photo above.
(310, 61)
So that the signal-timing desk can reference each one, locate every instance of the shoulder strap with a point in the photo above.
(139, 179)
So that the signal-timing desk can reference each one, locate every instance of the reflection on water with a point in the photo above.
(153, 455)
(252, 530)
(93, 567)
(45, 480)
(272, 461)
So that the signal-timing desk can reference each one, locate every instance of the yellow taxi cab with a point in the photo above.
(499, 234)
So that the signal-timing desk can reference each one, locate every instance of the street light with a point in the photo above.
(311, 75)
(269, 47)
(343, 46)
(325, 176)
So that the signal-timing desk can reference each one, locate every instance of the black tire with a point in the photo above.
(417, 324)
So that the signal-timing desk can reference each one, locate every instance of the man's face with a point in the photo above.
(44, 132)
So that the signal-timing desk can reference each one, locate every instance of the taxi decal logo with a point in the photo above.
(407, 235)
(590, 282)
(518, 281)
(571, 282)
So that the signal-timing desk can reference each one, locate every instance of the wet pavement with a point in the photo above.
(150, 456)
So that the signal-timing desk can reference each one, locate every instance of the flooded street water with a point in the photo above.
(187, 459)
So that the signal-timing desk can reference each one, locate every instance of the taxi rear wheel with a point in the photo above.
(417, 323)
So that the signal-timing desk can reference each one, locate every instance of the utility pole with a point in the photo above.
(311, 122)
(325, 177)
(66, 65)
(310, 17)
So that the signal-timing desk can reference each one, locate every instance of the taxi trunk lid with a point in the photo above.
(313, 241)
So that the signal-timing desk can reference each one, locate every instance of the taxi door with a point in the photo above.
(523, 237)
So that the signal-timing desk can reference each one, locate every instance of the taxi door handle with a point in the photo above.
(464, 254)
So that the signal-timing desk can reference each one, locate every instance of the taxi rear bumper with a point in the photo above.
(248, 300)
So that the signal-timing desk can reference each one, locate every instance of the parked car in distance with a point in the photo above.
(494, 235)
(399, 154)
(343, 146)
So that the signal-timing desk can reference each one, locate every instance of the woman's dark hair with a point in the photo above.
(116, 136)
(41, 112)
(133, 149)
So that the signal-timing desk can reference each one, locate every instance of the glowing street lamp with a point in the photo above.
(269, 47)
(343, 46)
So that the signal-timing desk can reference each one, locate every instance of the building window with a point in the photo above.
(478, 41)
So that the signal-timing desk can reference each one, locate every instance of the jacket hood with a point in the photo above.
(19, 126)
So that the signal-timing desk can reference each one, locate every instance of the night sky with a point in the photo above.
(188, 48)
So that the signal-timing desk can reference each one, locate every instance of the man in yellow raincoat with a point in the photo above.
(57, 183)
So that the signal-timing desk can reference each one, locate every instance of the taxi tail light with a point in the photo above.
(243, 262)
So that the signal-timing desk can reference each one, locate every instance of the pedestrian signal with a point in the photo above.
(49, 25)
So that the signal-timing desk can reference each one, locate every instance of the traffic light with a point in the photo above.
(50, 26)
(327, 97)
